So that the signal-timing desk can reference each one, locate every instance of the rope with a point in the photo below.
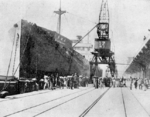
(85, 35)
(9, 63)
(77, 43)
(21, 56)
(67, 21)
(15, 53)
(17, 66)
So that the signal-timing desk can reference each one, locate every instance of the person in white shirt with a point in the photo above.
(46, 83)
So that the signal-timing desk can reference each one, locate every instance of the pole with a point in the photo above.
(59, 12)
(59, 22)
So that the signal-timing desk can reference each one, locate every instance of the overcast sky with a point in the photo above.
(129, 22)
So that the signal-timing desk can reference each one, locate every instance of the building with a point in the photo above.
(84, 48)
(140, 65)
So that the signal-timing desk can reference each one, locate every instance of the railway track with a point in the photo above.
(140, 104)
(54, 105)
(84, 111)
(85, 91)
(93, 104)
(137, 101)
(128, 112)
(123, 101)
(62, 103)
(30, 95)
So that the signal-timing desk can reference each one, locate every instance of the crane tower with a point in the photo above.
(102, 51)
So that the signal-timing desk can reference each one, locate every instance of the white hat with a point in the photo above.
(45, 76)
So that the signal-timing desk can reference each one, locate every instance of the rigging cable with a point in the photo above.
(19, 62)
(9, 62)
(22, 54)
(67, 21)
(76, 44)
(15, 52)
(85, 35)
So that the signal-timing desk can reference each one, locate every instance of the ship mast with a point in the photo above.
(59, 12)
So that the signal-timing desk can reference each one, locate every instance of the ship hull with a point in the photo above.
(41, 54)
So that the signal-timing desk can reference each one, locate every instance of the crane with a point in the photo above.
(102, 53)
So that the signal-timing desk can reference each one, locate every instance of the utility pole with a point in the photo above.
(59, 12)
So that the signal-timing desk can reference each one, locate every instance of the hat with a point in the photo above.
(45, 76)
(34, 79)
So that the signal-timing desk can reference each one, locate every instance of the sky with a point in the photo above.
(129, 23)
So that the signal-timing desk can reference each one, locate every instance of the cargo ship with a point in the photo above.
(36, 52)
(44, 51)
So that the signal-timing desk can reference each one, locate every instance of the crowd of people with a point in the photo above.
(52, 82)
(136, 83)
(70, 82)
(139, 83)
(108, 82)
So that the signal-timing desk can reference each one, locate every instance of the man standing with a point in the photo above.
(136, 83)
(140, 82)
(72, 82)
(145, 84)
(94, 81)
(46, 82)
(51, 82)
(57, 80)
(114, 82)
(131, 83)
